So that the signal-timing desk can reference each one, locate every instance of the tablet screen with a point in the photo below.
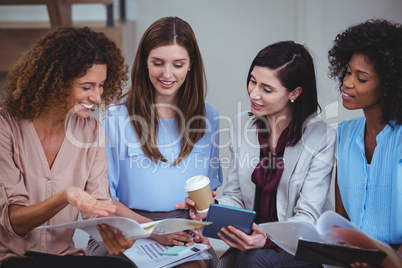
(223, 216)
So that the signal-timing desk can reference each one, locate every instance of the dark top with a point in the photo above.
(266, 177)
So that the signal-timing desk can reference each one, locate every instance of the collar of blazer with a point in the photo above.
(291, 157)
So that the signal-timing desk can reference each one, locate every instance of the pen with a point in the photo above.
(191, 233)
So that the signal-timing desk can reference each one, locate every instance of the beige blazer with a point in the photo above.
(304, 186)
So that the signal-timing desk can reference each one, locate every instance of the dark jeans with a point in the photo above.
(55, 261)
(269, 258)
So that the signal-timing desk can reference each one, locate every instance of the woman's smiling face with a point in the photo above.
(87, 91)
(168, 67)
(267, 94)
(361, 84)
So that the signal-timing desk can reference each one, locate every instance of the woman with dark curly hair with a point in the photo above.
(52, 153)
(367, 61)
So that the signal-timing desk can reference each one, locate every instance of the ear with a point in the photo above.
(295, 93)
(191, 62)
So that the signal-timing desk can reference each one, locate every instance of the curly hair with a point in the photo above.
(43, 75)
(380, 41)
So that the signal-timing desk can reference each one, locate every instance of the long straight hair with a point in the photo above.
(294, 68)
(141, 97)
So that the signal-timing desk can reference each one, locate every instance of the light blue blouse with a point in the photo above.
(139, 183)
(371, 194)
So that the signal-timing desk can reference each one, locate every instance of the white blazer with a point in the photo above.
(306, 178)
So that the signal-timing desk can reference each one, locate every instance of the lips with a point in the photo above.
(256, 106)
(86, 105)
(166, 84)
(346, 95)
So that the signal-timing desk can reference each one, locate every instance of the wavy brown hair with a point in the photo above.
(43, 75)
(141, 97)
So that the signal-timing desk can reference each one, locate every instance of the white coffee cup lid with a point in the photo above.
(196, 183)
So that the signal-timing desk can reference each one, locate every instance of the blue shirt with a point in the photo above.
(371, 194)
(139, 183)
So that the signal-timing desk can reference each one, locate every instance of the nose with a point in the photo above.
(96, 95)
(348, 82)
(167, 72)
(254, 93)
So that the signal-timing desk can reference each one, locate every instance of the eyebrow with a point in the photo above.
(266, 85)
(359, 71)
(82, 83)
(155, 58)
(91, 83)
(362, 72)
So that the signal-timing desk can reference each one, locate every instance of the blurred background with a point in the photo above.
(229, 32)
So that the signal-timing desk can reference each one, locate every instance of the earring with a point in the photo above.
(189, 69)
(292, 101)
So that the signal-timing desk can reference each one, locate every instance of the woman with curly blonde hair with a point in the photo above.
(52, 152)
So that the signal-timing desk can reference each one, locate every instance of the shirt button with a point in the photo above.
(49, 180)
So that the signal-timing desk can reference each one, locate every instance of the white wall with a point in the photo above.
(231, 32)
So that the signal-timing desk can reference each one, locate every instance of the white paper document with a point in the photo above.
(129, 228)
(331, 228)
(146, 253)
(287, 234)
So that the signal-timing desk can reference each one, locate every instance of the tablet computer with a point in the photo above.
(337, 254)
(223, 216)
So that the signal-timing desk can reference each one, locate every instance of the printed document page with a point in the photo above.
(146, 252)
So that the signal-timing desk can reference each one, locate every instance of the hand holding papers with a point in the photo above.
(129, 228)
(332, 240)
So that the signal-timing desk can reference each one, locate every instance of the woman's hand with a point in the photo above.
(84, 202)
(201, 239)
(177, 239)
(114, 240)
(189, 204)
(241, 240)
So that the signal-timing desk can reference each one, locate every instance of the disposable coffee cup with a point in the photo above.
(199, 191)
